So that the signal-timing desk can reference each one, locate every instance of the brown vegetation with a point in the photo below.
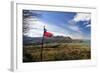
(56, 52)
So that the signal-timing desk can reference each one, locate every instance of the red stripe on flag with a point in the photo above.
(48, 34)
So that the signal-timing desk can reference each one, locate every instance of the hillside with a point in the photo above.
(38, 40)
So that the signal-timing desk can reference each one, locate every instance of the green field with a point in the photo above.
(56, 52)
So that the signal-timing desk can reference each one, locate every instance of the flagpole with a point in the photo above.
(42, 44)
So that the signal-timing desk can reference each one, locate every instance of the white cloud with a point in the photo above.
(79, 17)
(82, 17)
(36, 29)
(89, 25)
(74, 28)
(77, 34)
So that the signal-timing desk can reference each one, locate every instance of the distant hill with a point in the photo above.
(54, 39)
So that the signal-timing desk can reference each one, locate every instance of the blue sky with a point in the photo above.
(74, 24)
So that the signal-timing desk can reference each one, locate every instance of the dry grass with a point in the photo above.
(56, 52)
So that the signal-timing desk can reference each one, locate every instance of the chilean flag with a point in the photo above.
(47, 34)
